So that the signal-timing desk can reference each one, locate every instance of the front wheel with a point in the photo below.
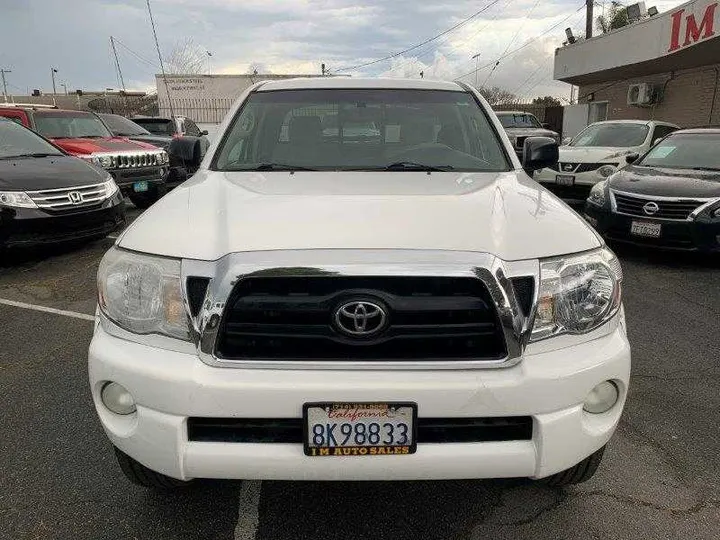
(139, 474)
(581, 472)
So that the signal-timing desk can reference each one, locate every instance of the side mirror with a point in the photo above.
(204, 132)
(538, 153)
(632, 158)
(566, 140)
(546, 125)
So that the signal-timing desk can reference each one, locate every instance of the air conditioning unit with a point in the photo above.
(640, 94)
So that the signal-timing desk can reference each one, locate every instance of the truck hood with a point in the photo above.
(216, 213)
(531, 132)
(667, 182)
(110, 144)
(161, 141)
(595, 154)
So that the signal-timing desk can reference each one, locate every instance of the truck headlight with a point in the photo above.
(91, 159)
(106, 162)
(577, 293)
(17, 199)
(142, 293)
(597, 194)
(606, 170)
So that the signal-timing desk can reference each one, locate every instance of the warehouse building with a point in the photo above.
(664, 67)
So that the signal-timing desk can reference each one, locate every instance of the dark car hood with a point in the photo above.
(31, 174)
(667, 182)
(530, 132)
(161, 141)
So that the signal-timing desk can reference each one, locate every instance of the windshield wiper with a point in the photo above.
(33, 154)
(278, 167)
(413, 166)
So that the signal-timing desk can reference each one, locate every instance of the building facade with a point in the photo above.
(664, 67)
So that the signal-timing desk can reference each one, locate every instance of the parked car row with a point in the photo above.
(49, 195)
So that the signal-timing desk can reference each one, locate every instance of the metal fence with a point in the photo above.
(205, 111)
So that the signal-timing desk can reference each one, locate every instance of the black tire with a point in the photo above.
(581, 472)
(142, 476)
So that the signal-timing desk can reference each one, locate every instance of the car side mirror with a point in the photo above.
(632, 158)
(538, 153)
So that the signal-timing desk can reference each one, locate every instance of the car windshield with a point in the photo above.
(156, 126)
(70, 125)
(521, 120)
(121, 126)
(17, 141)
(619, 135)
(685, 151)
(349, 129)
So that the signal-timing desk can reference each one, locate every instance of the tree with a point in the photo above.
(496, 95)
(187, 58)
(548, 101)
(615, 18)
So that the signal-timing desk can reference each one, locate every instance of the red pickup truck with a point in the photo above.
(139, 169)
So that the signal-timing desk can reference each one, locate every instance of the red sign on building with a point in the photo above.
(686, 31)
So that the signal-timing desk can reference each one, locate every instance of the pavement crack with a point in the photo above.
(637, 502)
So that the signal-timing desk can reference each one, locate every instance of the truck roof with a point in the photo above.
(317, 83)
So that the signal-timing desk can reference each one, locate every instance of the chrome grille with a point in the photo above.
(70, 197)
(675, 209)
(134, 160)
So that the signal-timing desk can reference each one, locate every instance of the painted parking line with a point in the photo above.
(23, 305)
(249, 501)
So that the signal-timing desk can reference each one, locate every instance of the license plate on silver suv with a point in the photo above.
(359, 429)
(565, 180)
(644, 228)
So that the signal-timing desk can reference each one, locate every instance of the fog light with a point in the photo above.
(116, 398)
(602, 398)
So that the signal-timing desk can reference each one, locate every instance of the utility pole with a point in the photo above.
(162, 66)
(3, 72)
(589, 4)
(64, 85)
(117, 63)
(477, 61)
(53, 71)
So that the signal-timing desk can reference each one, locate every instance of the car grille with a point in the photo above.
(578, 168)
(429, 430)
(68, 198)
(291, 318)
(135, 160)
(676, 209)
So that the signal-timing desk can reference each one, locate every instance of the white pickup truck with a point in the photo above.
(335, 303)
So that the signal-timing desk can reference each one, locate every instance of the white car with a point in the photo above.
(597, 152)
(392, 308)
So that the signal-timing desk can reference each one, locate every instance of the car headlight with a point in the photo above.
(16, 199)
(106, 162)
(142, 293)
(91, 159)
(110, 187)
(164, 158)
(606, 170)
(597, 193)
(577, 293)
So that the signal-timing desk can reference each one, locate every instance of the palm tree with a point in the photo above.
(615, 18)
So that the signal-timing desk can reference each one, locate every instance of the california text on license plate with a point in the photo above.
(643, 228)
(359, 429)
(564, 180)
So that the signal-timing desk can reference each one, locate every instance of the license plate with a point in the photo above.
(139, 187)
(643, 228)
(564, 180)
(359, 429)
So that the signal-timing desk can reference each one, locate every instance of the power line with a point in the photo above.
(526, 44)
(517, 90)
(117, 63)
(389, 57)
(136, 55)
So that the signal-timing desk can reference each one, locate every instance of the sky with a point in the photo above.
(290, 36)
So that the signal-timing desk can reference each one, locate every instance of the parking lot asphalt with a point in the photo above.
(659, 479)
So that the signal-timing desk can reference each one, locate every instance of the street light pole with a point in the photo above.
(3, 72)
(53, 71)
(477, 60)
(64, 85)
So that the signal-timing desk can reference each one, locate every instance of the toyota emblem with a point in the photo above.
(75, 197)
(651, 208)
(360, 318)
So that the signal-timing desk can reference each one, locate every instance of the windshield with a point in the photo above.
(156, 126)
(17, 141)
(522, 120)
(619, 135)
(685, 151)
(121, 126)
(344, 129)
(70, 125)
